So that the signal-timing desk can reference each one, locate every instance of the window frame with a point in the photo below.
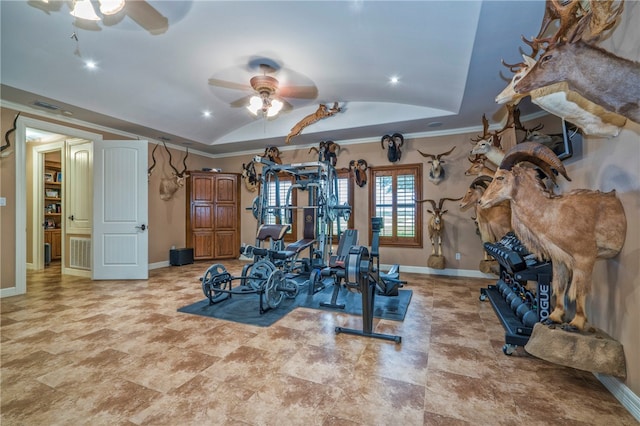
(292, 235)
(346, 174)
(394, 171)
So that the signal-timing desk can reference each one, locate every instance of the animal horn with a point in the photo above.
(184, 163)
(536, 153)
(482, 181)
(352, 163)
(398, 137)
(433, 203)
(170, 159)
(384, 139)
(442, 200)
(153, 156)
(446, 153)
(427, 155)
(6, 135)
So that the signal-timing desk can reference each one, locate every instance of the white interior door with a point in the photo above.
(120, 216)
(78, 187)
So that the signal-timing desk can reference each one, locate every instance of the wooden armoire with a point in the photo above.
(213, 215)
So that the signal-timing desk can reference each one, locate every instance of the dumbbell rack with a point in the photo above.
(516, 306)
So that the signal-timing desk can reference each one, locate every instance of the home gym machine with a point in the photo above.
(277, 271)
(518, 306)
(319, 180)
(355, 266)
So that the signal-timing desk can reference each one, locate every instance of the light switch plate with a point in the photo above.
(3, 201)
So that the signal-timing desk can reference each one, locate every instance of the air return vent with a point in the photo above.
(46, 105)
(80, 253)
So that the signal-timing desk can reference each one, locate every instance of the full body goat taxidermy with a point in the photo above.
(572, 230)
(436, 172)
(359, 171)
(394, 143)
(493, 222)
(436, 224)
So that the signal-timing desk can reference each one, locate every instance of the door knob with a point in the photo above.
(71, 217)
(141, 227)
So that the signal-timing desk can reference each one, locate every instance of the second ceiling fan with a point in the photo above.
(268, 97)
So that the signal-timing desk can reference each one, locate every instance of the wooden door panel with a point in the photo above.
(202, 189)
(202, 217)
(225, 245)
(202, 245)
(226, 217)
(226, 189)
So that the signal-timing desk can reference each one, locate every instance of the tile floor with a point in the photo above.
(78, 352)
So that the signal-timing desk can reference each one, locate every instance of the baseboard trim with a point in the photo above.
(622, 393)
(158, 265)
(8, 292)
(467, 273)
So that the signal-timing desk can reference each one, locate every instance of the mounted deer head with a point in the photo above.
(394, 143)
(359, 171)
(436, 172)
(169, 186)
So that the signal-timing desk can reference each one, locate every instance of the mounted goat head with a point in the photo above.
(436, 223)
(436, 173)
(250, 176)
(359, 171)
(327, 151)
(394, 143)
(169, 186)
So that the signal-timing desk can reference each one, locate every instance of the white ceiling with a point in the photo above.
(155, 59)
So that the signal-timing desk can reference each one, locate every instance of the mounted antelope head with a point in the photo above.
(250, 176)
(359, 171)
(169, 186)
(394, 143)
(436, 172)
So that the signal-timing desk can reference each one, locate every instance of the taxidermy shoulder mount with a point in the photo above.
(394, 143)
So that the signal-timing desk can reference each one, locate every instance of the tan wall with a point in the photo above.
(8, 213)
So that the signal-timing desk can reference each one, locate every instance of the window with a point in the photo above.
(345, 195)
(392, 196)
(279, 198)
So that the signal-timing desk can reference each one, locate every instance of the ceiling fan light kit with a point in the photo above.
(83, 9)
(266, 86)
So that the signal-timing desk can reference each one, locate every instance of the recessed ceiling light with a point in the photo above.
(92, 65)
(394, 79)
(206, 114)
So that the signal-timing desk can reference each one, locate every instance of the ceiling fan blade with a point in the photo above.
(242, 102)
(229, 84)
(147, 17)
(286, 106)
(301, 92)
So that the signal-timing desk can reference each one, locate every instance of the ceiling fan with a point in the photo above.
(112, 12)
(268, 94)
